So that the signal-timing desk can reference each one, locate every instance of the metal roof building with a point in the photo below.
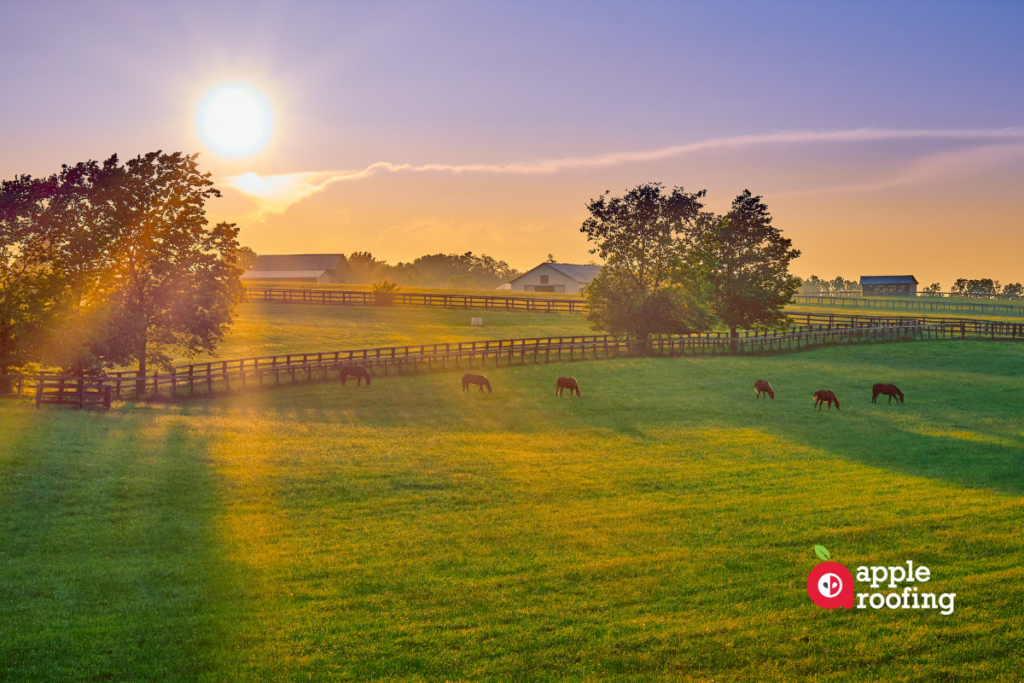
(888, 285)
(299, 268)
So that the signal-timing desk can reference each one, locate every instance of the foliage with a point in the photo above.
(647, 286)
(466, 271)
(29, 289)
(838, 285)
(933, 288)
(984, 287)
(244, 258)
(747, 261)
(130, 270)
(384, 292)
(1015, 290)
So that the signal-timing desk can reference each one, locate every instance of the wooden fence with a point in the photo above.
(333, 297)
(907, 304)
(808, 330)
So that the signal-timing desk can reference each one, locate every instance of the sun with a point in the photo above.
(235, 120)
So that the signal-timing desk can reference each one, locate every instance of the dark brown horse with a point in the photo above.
(825, 396)
(762, 387)
(468, 379)
(889, 390)
(569, 383)
(357, 371)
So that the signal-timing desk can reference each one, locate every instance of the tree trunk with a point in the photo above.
(140, 377)
(734, 338)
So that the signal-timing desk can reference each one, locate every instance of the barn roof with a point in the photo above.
(581, 273)
(296, 262)
(888, 280)
(284, 274)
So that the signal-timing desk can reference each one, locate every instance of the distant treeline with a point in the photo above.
(457, 271)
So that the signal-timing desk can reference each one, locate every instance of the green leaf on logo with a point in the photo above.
(822, 552)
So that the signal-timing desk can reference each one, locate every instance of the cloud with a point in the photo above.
(277, 192)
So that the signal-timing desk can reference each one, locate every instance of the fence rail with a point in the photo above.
(333, 297)
(906, 304)
(807, 330)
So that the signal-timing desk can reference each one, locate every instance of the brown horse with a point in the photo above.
(762, 387)
(889, 390)
(825, 396)
(468, 379)
(357, 371)
(569, 383)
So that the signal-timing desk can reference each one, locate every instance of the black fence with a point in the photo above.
(806, 331)
(333, 297)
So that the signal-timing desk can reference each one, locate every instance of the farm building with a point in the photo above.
(320, 268)
(555, 277)
(889, 285)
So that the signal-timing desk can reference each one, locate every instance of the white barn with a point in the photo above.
(555, 277)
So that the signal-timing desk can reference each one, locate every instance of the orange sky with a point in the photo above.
(884, 139)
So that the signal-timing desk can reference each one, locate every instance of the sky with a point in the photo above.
(886, 138)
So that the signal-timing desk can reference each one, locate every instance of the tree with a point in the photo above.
(176, 279)
(244, 258)
(747, 262)
(28, 288)
(1015, 290)
(647, 285)
(104, 265)
(933, 288)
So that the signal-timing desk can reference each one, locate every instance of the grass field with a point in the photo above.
(271, 329)
(658, 528)
(911, 313)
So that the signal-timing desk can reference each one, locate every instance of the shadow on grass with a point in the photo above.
(110, 568)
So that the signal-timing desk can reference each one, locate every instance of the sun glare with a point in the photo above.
(235, 120)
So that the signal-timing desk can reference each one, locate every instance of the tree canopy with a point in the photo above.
(746, 261)
(647, 285)
(103, 265)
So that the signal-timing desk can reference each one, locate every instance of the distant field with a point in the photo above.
(862, 310)
(414, 290)
(271, 329)
(658, 528)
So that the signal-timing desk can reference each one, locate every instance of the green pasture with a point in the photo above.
(658, 528)
(270, 329)
(921, 311)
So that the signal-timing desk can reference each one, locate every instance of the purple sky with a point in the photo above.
(886, 137)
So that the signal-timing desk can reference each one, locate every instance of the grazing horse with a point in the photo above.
(825, 396)
(569, 383)
(889, 390)
(357, 371)
(468, 379)
(762, 387)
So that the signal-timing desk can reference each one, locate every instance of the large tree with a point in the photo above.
(648, 284)
(746, 259)
(108, 265)
(176, 282)
(29, 287)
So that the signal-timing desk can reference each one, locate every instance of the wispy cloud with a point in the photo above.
(277, 192)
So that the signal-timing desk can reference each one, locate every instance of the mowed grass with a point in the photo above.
(658, 528)
(271, 329)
